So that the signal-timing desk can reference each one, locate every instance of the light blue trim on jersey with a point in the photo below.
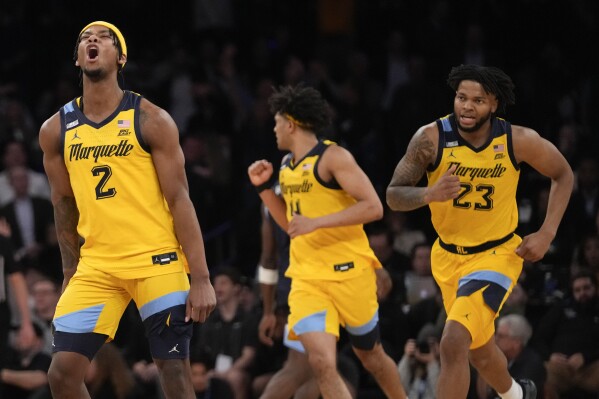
(487, 275)
(364, 328)
(446, 125)
(81, 321)
(296, 345)
(68, 107)
(164, 302)
(314, 322)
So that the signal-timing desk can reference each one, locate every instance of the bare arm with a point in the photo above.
(402, 195)
(268, 260)
(161, 134)
(339, 164)
(259, 173)
(66, 214)
(546, 159)
(19, 287)
(248, 353)
(25, 379)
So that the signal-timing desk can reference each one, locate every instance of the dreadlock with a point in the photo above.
(304, 104)
(493, 80)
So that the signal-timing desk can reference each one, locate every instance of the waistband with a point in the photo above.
(457, 249)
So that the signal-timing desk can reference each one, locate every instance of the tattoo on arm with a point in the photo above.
(402, 193)
(66, 216)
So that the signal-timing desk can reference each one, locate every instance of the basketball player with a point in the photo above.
(116, 172)
(472, 160)
(326, 199)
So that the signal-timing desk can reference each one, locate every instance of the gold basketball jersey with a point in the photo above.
(486, 207)
(123, 216)
(334, 253)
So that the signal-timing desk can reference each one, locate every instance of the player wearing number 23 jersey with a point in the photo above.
(471, 158)
(486, 207)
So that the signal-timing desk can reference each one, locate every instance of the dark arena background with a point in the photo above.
(381, 64)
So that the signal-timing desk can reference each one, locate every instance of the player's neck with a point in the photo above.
(100, 99)
(302, 146)
(479, 137)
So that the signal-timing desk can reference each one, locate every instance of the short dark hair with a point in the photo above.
(492, 79)
(583, 272)
(229, 271)
(304, 104)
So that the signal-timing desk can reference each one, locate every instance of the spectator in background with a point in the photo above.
(204, 386)
(11, 277)
(26, 374)
(512, 335)
(567, 336)
(229, 335)
(380, 238)
(420, 363)
(419, 281)
(568, 141)
(428, 311)
(587, 254)
(515, 302)
(29, 218)
(404, 235)
(45, 293)
(17, 123)
(584, 204)
(14, 153)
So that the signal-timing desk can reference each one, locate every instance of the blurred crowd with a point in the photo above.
(382, 65)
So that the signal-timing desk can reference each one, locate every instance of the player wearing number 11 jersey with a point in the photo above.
(326, 198)
(116, 172)
(472, 159)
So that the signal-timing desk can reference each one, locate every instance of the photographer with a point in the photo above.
(419, 366)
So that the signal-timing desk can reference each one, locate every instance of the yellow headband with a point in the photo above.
(113, 28)
(300, 124)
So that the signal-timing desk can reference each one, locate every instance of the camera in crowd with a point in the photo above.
(423, 346)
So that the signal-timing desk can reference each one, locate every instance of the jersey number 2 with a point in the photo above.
(105, 172)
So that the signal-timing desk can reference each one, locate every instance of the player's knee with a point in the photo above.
(61, 378)
(56, 377)
(485, 355)
(321, 363)
(454, 346)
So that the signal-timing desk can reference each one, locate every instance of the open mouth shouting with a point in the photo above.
(92, 52)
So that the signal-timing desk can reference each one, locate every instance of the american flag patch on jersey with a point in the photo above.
(124, 123)
(498, 148)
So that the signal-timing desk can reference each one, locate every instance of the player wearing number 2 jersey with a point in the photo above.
(472, 159)
(116, 171)
(110, 167)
